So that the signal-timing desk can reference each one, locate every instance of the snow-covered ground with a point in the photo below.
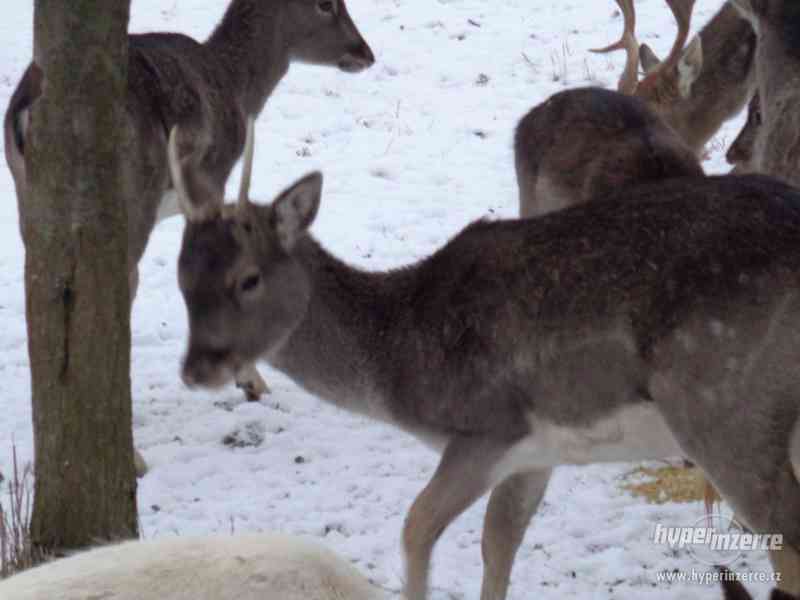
(412, 150)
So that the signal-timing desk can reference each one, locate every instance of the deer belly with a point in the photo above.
(633, 432)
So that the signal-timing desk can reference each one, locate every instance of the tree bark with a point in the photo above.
(74, 226)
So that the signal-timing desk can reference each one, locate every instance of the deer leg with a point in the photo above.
(511, 507)
(750, 460)
(766, 500)
(249, 380)
(463, 475)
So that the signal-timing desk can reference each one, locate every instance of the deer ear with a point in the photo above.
(199, 198)
(294, 210)
(689, 66)
(648, 58)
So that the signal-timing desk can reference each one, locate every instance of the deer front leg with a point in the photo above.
(463, 475)
(249, 380)
(511, 507)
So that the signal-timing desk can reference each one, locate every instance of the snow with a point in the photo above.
(412, 150)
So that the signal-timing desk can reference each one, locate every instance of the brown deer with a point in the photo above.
(741, 152)
(700, 86)
(579, 144)
(207, 88)
(776, 144)
(663, 321)
(582, 144)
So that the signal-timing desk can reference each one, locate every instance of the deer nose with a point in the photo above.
(357, 59)
(366, 53)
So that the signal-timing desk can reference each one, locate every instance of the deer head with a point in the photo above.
(322, 32)
(244, 291)
(667, 81)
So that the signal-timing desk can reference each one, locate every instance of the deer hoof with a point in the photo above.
(253, 390)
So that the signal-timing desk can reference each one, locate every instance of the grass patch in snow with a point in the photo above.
(665, 484)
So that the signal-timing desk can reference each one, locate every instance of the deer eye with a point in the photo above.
(250, 282)
(326, 6)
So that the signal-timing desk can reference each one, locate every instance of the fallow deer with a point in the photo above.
(582, 144)
(664, 321)
(700, 86)
(207, 88)
(776, 145)
(215, 567)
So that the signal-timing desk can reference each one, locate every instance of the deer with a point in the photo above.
(212, 567)
(583, 143)
(663, 321)
(740, 154)
(208, 88)
(698, 86)
(776, 142)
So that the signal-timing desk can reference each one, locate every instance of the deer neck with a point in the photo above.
(727, 80)
(344, 342)
(248, 46)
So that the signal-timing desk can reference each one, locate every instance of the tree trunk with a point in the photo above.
(75, 232)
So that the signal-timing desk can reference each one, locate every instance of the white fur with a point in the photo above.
(241, 567)
(636, 432)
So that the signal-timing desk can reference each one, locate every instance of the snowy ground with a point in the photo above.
(412, 150)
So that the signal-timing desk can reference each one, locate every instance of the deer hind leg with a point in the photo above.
(766, 500)
(511, 507)
(250, 381)
(765, 496)
(463, 475)
(748, 456)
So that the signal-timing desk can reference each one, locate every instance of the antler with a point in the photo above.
(629, 79)
(175, 170)
(247, 162)
(682, 11)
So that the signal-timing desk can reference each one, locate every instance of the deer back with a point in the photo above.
(583, 144)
